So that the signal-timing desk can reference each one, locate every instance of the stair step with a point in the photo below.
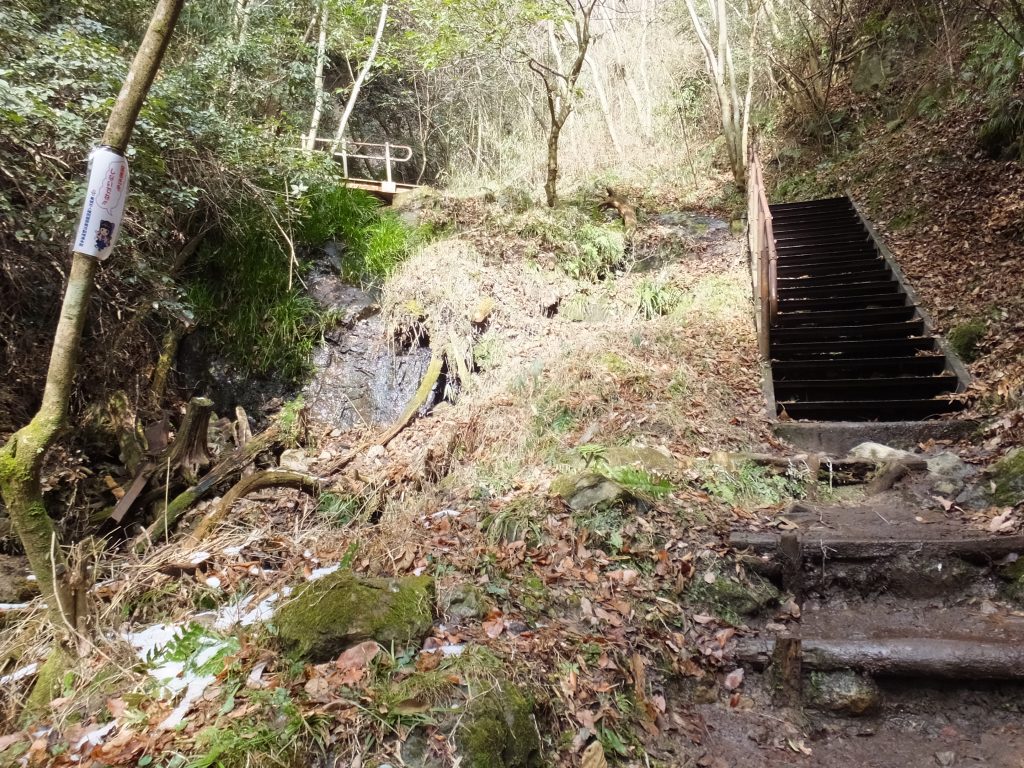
(826, 333)
(838, 267)
(852, 288)
(851, 276)
(868, 301)
(869, 410)
(827, 256)
(825, 203)
(902, 387)
(838, 350)
(826, 221)
(837, 240)
(861, 367)
(844, 317)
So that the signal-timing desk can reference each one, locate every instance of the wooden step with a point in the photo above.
(823, 334)
(827, 256)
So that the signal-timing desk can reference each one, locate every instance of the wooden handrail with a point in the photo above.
(764, 259)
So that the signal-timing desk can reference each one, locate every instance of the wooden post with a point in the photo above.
(787, 671)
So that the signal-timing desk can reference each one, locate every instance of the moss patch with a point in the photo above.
(964, 339)
(729, 598)
(498, 731)
(327, 616)
(1008, 479)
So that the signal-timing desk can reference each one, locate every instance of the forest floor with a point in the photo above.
(618, 620)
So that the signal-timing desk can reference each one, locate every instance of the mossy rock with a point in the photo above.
(1008, 479)
(326, 616)
(498, 731)
(964, 339)
(844, 692)
(463, 602)
(587, 490)
(729, 597)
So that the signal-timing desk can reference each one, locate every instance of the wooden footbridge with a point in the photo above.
(844, 338)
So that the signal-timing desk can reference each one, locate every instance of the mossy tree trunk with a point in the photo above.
(21, 458)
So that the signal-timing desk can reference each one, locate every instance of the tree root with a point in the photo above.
(270, 478)
(235, 462)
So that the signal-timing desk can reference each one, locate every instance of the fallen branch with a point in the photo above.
(270, 478)
(418, 400)
(948, 658)
(235, 462)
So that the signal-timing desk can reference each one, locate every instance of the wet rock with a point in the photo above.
(587, 490)
(463, 602)
(845, 693)
(498, 731)
(326, 616)
(1012, 573)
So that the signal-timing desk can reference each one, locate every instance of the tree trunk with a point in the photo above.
(358, 84)
(318, 83)
(551, 181)
(21, 459)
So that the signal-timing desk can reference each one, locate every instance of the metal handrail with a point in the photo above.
(764, 258)
(387, 154)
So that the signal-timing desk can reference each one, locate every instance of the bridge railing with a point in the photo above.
(763, 257)
(387, 153)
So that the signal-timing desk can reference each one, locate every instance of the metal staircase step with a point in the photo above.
(862, 367)
(898, 387)
(851, 275)
(845, 317)
(851, 288)
(818, 268)
(869, 410)
(824, 334)
(836, 350)
(867, 301)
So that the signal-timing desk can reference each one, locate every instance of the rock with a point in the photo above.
(1008, 479)
(294, 459)
(375, 452)
(948, 473)
(15, 585)
(463, 602)
(844, 693)
(587, 490)
(326, 616)
(877, 452)
(417, 753)
(656, 461)
(498, 731)
(731, 598)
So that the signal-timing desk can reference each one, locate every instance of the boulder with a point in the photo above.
(1008, 479)
(326, 616)
(947, 473)
(498, 731)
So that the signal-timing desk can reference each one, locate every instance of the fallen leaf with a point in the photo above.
(734, 679)
(357, 657)
(593, 756)
(494, 627)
